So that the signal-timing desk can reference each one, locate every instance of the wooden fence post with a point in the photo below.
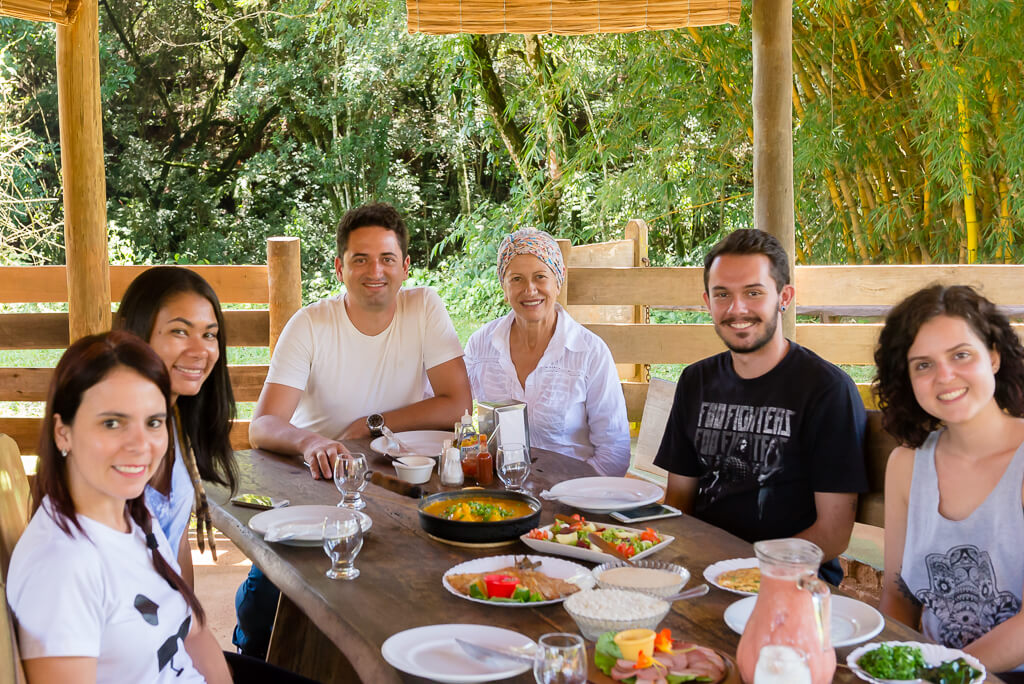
(81, 157)
(563, 295)
(284, 280)
(636, 230)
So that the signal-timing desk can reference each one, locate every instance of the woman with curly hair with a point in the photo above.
(178, 313)
(950, 384)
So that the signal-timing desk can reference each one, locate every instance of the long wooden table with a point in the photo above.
(401, 567)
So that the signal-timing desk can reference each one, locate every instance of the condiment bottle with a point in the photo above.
(469, 445)
(451, 466)
(484, 464)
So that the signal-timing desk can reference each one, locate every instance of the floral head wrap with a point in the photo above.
(535, 242)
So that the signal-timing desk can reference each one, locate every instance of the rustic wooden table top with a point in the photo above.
(401, 567)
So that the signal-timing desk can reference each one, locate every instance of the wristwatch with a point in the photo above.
(375, 423)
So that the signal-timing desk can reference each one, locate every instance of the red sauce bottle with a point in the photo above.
(484, 464)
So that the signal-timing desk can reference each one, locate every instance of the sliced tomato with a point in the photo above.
(537, 533)
(500, 586)
(626, 549)
(650, 535)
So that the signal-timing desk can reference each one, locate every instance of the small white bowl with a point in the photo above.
(414, 469)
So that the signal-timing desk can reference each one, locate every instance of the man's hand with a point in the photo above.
(357, 429)
(320, 454)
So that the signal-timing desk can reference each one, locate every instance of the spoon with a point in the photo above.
(688, 594)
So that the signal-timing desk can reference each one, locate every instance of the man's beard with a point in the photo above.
(754, 345)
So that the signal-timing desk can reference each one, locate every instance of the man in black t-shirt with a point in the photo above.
(764, 440)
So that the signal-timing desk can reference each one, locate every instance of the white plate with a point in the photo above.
(431, 652)
(552, 567)
(933, 654)
(606, 494)
(422, 443)
(853, 621)
(305, 515)
(712, 572)
(591, 554)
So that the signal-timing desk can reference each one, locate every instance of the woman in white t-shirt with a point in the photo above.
(92, 582)
(540, 355)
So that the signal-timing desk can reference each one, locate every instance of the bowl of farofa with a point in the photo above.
(657, 578)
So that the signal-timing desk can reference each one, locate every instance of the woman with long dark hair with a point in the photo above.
(92, 581)
(950, 385)
(179, 314)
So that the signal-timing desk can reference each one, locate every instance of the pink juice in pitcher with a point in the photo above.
(792, 610)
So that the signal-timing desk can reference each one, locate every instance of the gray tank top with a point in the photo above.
(968, 574)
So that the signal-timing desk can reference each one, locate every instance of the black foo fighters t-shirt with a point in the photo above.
(761, 448)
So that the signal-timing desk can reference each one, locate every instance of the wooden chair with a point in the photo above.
(660, 395)
(878, 444)
(14, 509)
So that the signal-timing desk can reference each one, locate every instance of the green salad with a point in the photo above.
(906, 662)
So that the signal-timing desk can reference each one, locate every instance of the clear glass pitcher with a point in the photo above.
(792, 609)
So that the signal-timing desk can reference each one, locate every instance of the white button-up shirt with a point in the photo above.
(574, 399)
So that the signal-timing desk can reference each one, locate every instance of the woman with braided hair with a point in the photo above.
(178, 313)
(92, 582)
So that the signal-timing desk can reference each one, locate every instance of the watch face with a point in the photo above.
(375, 422)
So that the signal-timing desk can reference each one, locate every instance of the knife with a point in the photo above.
(609, 548)
(488, 653)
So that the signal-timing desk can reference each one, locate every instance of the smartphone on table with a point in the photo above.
(260, 501)
(652, 512)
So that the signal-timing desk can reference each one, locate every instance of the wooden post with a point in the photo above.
(563, 295)
(284, 280)
(636, 230)
(81, 156)
(772, 26)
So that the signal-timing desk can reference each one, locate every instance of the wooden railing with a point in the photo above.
(276, 284)
(817, 287)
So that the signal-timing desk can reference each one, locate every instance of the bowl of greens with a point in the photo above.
(912, 661)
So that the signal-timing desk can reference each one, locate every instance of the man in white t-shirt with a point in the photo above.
(377, 354)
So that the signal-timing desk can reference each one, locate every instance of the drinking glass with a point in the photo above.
(350, 475)
(561, 658)
(342, 541)
(512, 466)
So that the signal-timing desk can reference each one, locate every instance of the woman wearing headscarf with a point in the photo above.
(539, 355)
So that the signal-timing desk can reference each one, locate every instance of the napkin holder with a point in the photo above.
(503, 422)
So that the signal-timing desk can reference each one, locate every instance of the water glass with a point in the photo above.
(350, 476)
(342, 541)
(512, 465)
(561, 658)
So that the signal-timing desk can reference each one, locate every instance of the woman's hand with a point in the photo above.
(206, 655)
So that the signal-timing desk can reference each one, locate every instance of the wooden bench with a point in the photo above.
(14, 514)
(277, 284)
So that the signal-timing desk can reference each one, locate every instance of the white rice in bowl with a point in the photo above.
(601, 610)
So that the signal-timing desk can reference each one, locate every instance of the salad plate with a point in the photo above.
(853, 621)
(592, 555)
(605, 494)
(432, 652)
(713, 571)
(302, 525)
(420, 442)
(933, 654)
(558, 568)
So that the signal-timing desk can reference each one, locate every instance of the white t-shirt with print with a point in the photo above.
(345, 374)
(99, 597)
